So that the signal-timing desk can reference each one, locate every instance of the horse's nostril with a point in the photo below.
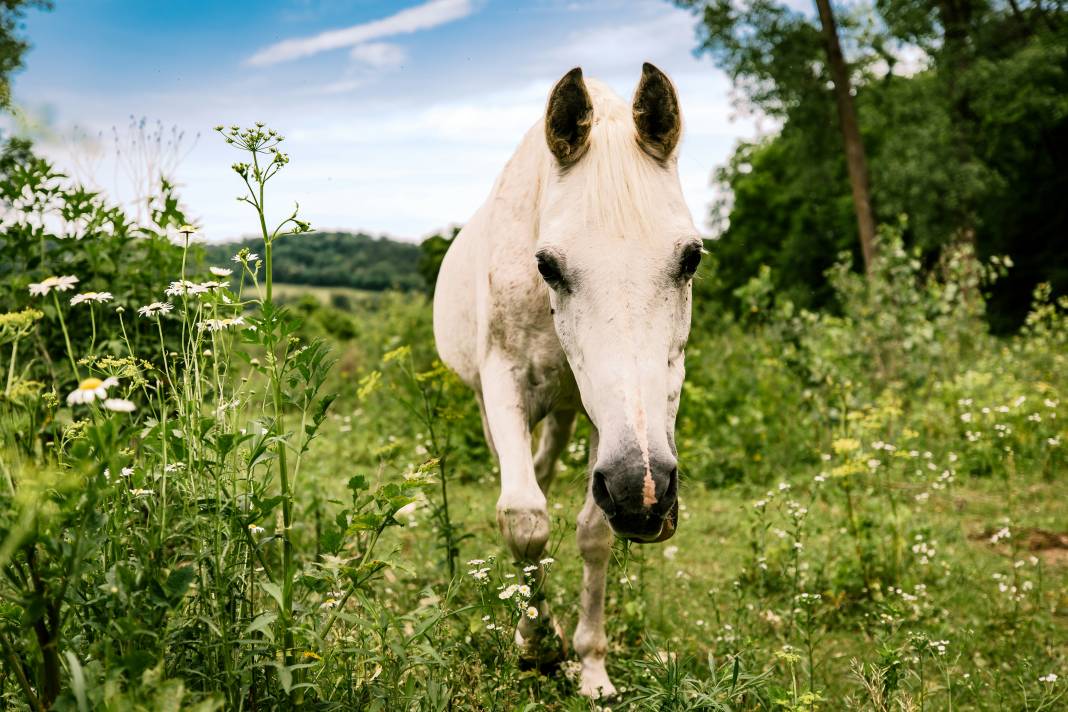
(601, 495)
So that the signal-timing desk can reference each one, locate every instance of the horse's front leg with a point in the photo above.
(522, 514)
(595, 545)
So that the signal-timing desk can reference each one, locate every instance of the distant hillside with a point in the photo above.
(336, 259)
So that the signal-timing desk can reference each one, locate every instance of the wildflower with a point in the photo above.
(670, 552)
(155, 308)
(140, 492)
(330, 603)
(476, 562)
(90, 389)
(220, 324)
(532, 612)
(523, 590)
(60, 284)
(1054, 441)
(530, 569)
(120, 405)
(184, 286)
(508, 592)
(91, 297)
(844, 445)
(255, 529)
(1052, 677)
(547, 561)
(127, 472)
(187, 230)
(221, 271)
(1002, 533)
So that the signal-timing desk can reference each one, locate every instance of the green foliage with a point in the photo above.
(12, 46)
(969, 147)
(56, 227)
(431, 253)
(339, 259)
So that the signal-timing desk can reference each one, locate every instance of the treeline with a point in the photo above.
(337, 259)
(962, 108)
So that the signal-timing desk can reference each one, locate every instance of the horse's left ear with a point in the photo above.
(656, 114)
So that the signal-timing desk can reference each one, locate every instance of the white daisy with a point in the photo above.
(60, 284)
(90, 389)
(91, 297)
(184, 286)
(220, 324)
(221, 271)
(120, 405)
(155, 308)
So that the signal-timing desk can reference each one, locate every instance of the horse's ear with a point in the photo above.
(568, 118)
(656, 114)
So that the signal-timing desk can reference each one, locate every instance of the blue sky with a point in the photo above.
(398, 115)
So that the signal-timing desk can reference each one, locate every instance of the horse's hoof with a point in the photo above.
(543, 651)
(600, 690)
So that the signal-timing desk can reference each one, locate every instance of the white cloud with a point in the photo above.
(379, 55)
(420, 17)
(659, 37)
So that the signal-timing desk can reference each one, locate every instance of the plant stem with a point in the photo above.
(11, 367)
(279, 406)
(66, 336)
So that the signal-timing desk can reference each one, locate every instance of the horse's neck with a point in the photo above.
(516, 197)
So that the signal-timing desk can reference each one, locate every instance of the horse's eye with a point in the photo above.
(549, 268)
(691, 257)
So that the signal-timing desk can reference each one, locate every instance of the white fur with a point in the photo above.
(613, 349)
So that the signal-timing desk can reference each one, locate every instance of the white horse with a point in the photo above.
(569, 290)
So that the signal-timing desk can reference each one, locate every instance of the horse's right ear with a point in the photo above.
(568, 118)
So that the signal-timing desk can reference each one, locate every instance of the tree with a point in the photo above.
(854, 145)
(968, 143)
(13, 46)
(431, 252)
(784, 63)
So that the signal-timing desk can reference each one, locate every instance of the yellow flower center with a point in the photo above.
(90, 384)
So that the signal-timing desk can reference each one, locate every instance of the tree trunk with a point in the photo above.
(854, 145)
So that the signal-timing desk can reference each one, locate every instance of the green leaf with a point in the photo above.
(77, 681)
(262, 624)
(273, 590)
(178, 581)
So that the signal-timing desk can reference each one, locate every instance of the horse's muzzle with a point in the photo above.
(646, 529)
(638, 512)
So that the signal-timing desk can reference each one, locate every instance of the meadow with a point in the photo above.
(219, 492)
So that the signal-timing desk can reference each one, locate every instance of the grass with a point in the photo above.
(695, 597)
